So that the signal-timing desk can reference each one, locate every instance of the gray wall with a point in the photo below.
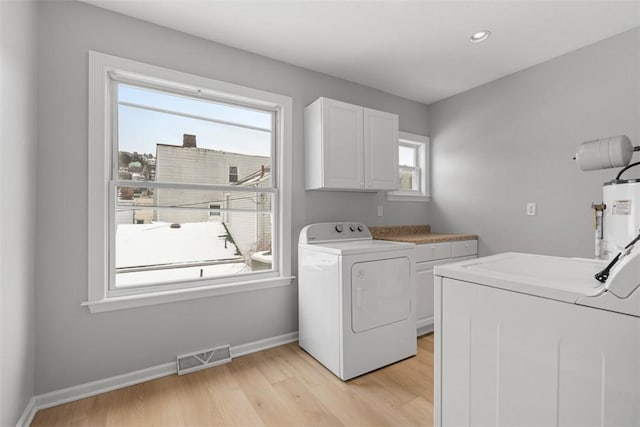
(500, 145)
(18, 29)
(74, 346)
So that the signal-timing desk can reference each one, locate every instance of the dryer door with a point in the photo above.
(380, 293)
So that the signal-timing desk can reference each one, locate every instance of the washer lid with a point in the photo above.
(562, 279)
(359, 246)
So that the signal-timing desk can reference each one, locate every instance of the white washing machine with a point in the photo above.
(356, 298)
(532, 340)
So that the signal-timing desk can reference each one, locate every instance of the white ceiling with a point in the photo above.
(415, 49)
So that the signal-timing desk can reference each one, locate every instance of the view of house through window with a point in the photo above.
(193, 188)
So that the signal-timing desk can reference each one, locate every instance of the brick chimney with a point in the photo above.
(189, 140)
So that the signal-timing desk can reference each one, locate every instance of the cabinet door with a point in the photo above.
(343, 145)
(424, 294)
(424, 289)
(464, 248)
(380, 150)
(433, 251)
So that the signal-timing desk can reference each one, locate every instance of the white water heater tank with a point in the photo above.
(621, 216)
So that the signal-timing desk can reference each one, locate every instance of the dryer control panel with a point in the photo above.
(334, 231)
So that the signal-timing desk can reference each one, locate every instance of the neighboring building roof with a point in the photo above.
(158, 244)
(255, 178)
(189, 141)
(176, 248)
(209, 150)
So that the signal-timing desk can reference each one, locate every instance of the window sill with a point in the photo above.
(132, 301)
(407, 197)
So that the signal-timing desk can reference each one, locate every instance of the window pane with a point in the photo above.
(409, 179)
(168, 234)
(165, 251)
(193, 106)
(162, 146)
(407, 155)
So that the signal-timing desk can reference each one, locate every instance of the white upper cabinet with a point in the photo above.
(380, 150)
(349, 147)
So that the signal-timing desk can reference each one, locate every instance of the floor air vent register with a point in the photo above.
(203, 359)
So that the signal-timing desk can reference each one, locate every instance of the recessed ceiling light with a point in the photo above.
(480, 36)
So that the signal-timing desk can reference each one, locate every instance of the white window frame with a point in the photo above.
(102, 128)
(422, 194)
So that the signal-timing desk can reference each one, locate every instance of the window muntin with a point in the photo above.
(171, 165)
(176, 204)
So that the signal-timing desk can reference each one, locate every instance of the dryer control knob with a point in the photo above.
(352, 228)
(339, 228)
(359, 228)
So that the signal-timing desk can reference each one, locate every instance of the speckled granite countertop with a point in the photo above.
(418, 234)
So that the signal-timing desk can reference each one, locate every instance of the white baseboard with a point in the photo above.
(81, 391)
(28, 413)
(252, 347)
(424, 326)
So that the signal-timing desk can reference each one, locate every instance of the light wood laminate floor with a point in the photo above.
(282, 386)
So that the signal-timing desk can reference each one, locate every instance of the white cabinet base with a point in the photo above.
(424, 276)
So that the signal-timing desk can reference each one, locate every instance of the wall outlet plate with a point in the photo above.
(531, 208)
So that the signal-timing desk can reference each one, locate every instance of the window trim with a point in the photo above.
(102, 68)
(423, 162)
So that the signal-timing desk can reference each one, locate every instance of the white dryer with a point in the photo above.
(356, 296)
